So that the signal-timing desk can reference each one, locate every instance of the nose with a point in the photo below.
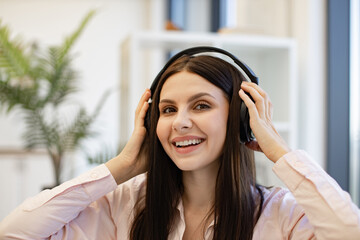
(182, 121)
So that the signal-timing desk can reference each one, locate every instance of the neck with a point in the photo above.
(199, 187)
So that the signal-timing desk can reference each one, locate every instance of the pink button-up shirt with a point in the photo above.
(92, 206)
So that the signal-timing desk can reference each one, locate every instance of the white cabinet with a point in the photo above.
(272, 59)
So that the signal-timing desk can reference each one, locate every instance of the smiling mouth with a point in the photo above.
(188, 143)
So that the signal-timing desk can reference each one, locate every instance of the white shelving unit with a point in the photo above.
(272, 59)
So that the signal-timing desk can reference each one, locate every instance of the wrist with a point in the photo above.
(279, 154)
(120, 170)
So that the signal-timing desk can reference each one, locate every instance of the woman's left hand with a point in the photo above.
(268, 140)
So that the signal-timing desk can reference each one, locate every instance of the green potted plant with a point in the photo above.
(40, 82)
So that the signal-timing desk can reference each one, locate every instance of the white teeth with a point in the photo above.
(188, 143)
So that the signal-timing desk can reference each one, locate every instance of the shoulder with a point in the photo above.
(132, 189)
(282, 216)
(281, 208)
(278, 199)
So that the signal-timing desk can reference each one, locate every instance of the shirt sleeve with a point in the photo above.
(329, 209)
(69, 211)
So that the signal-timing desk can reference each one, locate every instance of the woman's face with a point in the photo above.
(192, 122)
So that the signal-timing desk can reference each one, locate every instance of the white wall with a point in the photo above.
(309, 28)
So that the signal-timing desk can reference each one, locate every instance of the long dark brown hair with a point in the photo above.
(238, 199)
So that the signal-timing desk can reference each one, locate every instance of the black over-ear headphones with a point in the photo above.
(245, 130)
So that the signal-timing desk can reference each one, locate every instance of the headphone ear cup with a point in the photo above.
(245, 130)
(147, 119)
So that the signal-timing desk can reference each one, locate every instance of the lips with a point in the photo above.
(187, 143)
(190, 143)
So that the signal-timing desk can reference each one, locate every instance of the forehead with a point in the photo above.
(189, 83)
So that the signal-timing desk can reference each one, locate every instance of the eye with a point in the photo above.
(202, 106)
(167, 110)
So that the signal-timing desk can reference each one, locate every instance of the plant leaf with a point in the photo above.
(69, 42)
(12, 56)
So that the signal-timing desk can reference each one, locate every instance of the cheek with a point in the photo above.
(218, 128)
(162, 132)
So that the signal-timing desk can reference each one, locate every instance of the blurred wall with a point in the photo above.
(308, 27)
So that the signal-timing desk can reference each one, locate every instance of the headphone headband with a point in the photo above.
(245, 130)
(202, 49)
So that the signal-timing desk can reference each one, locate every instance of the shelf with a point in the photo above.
(158, 39)
(11, 151)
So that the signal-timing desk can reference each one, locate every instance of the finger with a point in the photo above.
(143, 111)
(256, 86)
(249, 104)
(266, 100)
(259, 100)
(270, 110)
(144, 98)
(140, 120)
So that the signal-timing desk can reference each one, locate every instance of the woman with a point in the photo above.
(200, 180)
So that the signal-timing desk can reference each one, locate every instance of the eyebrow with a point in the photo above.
(192, 98)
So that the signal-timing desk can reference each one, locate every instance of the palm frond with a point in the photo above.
(104, 155)
(101, 102)
(11, 96)
(69, 42)
(81, 126)
(78, 130)
(60, 76)
(40, 133)
(12, 56)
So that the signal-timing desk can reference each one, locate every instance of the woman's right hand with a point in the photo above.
(132, 160)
